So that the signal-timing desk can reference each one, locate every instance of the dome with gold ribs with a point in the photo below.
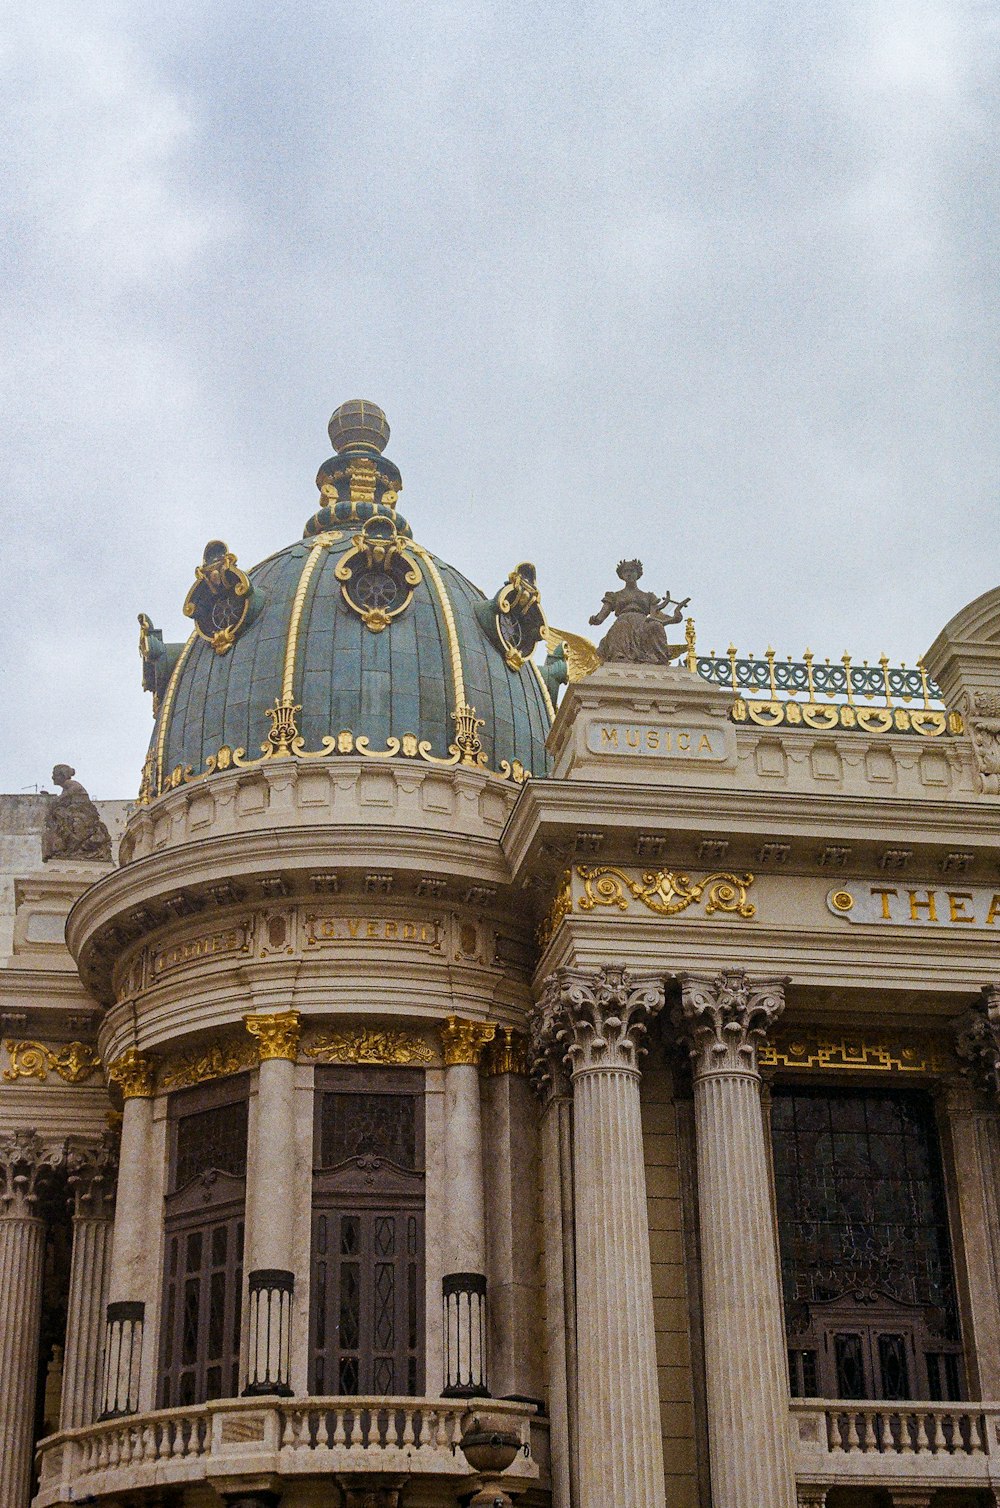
(355, 640)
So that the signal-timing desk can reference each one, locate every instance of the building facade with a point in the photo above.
(457, 1079)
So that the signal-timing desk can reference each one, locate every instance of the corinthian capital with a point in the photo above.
(977, 1040)
(92, 1168)
(463, 1041)
(724, 1016)
(606, 1015)
(546, 1048)
(277, 1034)
(25, 1157)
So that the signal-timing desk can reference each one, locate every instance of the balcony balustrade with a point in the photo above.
(238, 1438)
(896, 1444)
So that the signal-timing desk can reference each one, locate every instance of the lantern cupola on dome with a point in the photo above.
(354, 640)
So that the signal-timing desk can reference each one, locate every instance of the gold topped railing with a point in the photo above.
(824, 694)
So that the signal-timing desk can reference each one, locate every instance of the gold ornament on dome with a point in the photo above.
(463, 1041)
(133, 1074)
(817, 1051)
(277, 1034)
(74, 1064)
(218, 1061)
(377, 575)
(219, 600)
(368, 1045)
(664, 891)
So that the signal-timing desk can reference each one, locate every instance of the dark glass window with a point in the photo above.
(214, 1138)
(865, 1250)
(368, 1234)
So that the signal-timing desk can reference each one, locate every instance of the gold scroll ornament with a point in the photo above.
(33, 1060)
(219, 1060)
(664, 891)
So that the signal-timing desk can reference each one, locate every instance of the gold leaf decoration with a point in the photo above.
(664, 891)
(368, 1045)
(33, 1060)
(219, 1060)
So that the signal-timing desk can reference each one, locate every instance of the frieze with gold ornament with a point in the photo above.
(74, 1064)
(664, 891)
(818, 1051)
(368, 1045)
(562, 906)
(233, 1053)
(236, 938)
(329, 928)
(951, 907)
(507, 1053)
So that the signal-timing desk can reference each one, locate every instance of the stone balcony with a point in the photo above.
(274, 1444)
(914, 1446)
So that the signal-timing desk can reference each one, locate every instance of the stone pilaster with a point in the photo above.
(92, 1172)
(270, 1206)
(131, 1284)
(24, 1159)
(723, 1018)
(600, 1019)
(550, 1081)
(972, 1110)
(464, 1282)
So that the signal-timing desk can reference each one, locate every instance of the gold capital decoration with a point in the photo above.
(133, 1074)
(508, 1053)
(277, 1034)
(33, 1060)
(463, 1041)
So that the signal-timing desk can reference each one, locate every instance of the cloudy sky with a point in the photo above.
(713, 282)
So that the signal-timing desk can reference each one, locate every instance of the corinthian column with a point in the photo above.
(133, 1245)
(92, 1172)
(270, 1206)
(603, 1021)
(464, 1281)
(24, 1158)
(746, 1384)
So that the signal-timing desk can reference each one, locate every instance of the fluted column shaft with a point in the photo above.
(23, 1158)
(270, 1207)
(92, 1172)
(464, 1297)
(745, 1363)
(560, 1287)
(596, 1022)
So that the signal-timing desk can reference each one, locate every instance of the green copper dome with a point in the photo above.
(353, 640)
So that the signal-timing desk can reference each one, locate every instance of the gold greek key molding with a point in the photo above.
(463, 1041)
(133, 1074)
(368, 1045)
(277, 1034)
(218, 1061)
(507, 1053)
(664, 891)
(74, 1064)
(817, 1051)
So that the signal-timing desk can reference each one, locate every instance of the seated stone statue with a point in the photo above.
(73, 827)
(637, 635)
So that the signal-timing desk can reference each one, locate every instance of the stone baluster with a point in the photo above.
(24, 1159)
(550, 1081)
(601, 1020)
(132, 1251)
(723, 1017)
(92, 1171)
(464, 1281)
(271, 1206)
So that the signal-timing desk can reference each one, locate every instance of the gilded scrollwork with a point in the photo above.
(507, 1053)
(220, 598)
(463, 1041)
(277, 1033)
(562, 906)
(74, 1063)
(664, 891)
(377, 575)
(134, 1074)
(368, 1045)
(219, 1060)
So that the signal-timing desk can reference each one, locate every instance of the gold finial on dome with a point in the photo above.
(359, 422)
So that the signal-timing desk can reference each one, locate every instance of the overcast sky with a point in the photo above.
(711, 282)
